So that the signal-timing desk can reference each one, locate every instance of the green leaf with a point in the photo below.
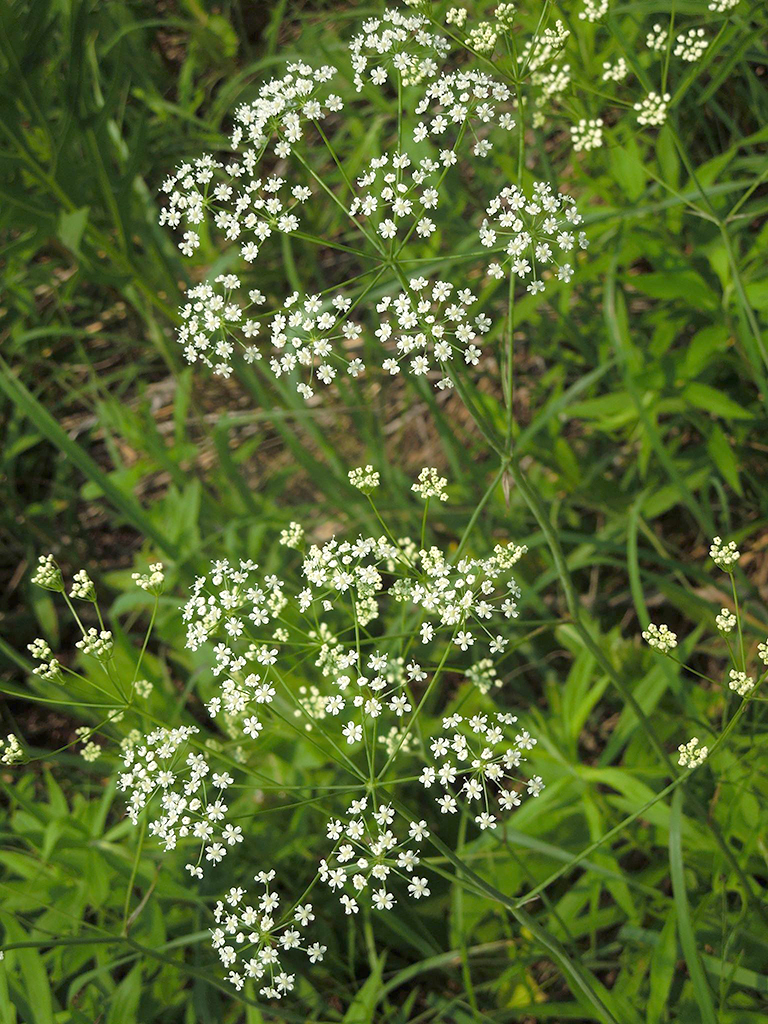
(702, 347)
(663, 963)
(684, 927)
(36, 985)
(684, 284)
(71, 228)
(363, 1006)
(757, 293)
(666, 154)
(627, 167)
(714, 401)
(125, 1001)
(722, 454)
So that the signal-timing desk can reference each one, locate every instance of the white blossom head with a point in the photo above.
(534, 235)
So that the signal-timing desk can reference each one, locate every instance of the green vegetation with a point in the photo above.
(632, 891)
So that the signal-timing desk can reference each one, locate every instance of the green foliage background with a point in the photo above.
(641, 404)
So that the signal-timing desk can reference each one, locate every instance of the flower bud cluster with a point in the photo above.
(48, 575)
(430, 485)
(152, 581)
(10, 750)
(740, 682)
(292, 536)
(594, 10)
(82, 587)
(97, 643)
(692, 754)
(660, 637)
(725, 556)
(690, 45)
(652, 109)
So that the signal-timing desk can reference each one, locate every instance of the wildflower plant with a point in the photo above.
(285, 164)
(319, 654)
(379, 654)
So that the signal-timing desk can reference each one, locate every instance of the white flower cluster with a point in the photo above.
(367, 853)
(430, 485)
(251, 943)
(725, 556)
(691, 754)
(615, 72)
(656, 39)
(690, 45)
(476, 764)
(587, 134)
(399, 45)
(740, 682)
(239, 610)
(365, 478)
(594, 10)
(10, 750)
(762, 652)
(660, 637)
(191, 804)
(213, 321)
(91, 751)
(245, 208)
(722, 6)
(431, 323)
(464, 100)
(483, 37)
(484, 676)
(652, 109)
(231, 592)
(281, 107)
(303, 334)
(542, 49)
(151, 581)
(396, 194)
(533, 228)
(292, 536)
